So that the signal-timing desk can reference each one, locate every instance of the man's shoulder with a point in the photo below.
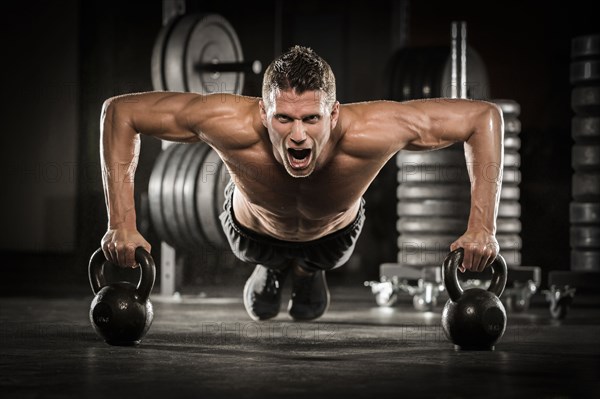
(365, 131)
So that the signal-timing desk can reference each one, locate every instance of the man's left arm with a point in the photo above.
(438, 123)
(484, 154)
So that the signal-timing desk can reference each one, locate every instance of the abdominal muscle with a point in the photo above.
(294, 226)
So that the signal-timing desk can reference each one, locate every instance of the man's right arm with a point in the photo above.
(223, 121)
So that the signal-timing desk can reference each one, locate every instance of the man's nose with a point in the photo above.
(298, 134)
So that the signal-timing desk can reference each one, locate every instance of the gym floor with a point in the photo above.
(65, 58)
(208, 347)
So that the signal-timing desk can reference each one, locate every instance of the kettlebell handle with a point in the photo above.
(147, 269)
(450, 277)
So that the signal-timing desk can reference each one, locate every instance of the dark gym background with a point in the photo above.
(62, 59)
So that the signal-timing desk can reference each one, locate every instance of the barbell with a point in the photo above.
(200, 53)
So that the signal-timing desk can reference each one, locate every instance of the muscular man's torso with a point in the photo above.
(270, 201)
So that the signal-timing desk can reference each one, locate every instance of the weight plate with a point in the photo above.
(452, 162)
(432, 174)
(508, 226)
(168, 195)
(478, 86)
(157, 70)
(586, 100)
(412, 255)
(175, 54)
(433, 208)
(510, 176)
(585, 72)
(585, 157)
(585, 261)
(192, 219)
(509, 107)
(509, 241)
(585, 128)
(512, 160)
(585, 46)
(411, 191)
(437, 157)
(185, 238)
(586, 187)
(512, 126)
(212, 40)
(450, 225)
(508, 209)
(425, 174)
(508, 193)
(587, 237)
(206, 186)
(155, 191)
(512, 143)
(584, 212)
(511, 256)
(431, 225)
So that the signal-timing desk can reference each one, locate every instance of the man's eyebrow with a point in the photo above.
(281, 115)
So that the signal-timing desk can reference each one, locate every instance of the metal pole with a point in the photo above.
(168, 256)
(458, 55)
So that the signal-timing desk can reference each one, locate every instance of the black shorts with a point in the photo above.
(325, 253)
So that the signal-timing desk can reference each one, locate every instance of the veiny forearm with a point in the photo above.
(484, 152)
(119, 154)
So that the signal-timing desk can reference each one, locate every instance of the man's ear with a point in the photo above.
(263, 112)
(335, 113)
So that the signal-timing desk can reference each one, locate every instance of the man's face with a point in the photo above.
(299, 127)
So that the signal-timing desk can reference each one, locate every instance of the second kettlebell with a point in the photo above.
(473, 319)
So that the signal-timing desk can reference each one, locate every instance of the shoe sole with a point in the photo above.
(326, 306)
(249, 310)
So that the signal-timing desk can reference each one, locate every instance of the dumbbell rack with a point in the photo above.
(584, 213)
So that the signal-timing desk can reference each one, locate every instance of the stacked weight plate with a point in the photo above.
(585, 155)
(434, 187)
(185, 192)
(433, 204)
(434, 199)
(185, 196)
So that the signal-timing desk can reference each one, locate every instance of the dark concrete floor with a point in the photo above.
(208, 347)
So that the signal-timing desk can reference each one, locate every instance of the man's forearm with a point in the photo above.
(119, 153)
(484, 152)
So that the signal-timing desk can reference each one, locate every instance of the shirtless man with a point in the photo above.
(301, 210)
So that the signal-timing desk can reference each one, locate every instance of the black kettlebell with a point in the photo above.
(474, 319)
(121, 312)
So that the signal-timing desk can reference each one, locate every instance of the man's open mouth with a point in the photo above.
(299, 158)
